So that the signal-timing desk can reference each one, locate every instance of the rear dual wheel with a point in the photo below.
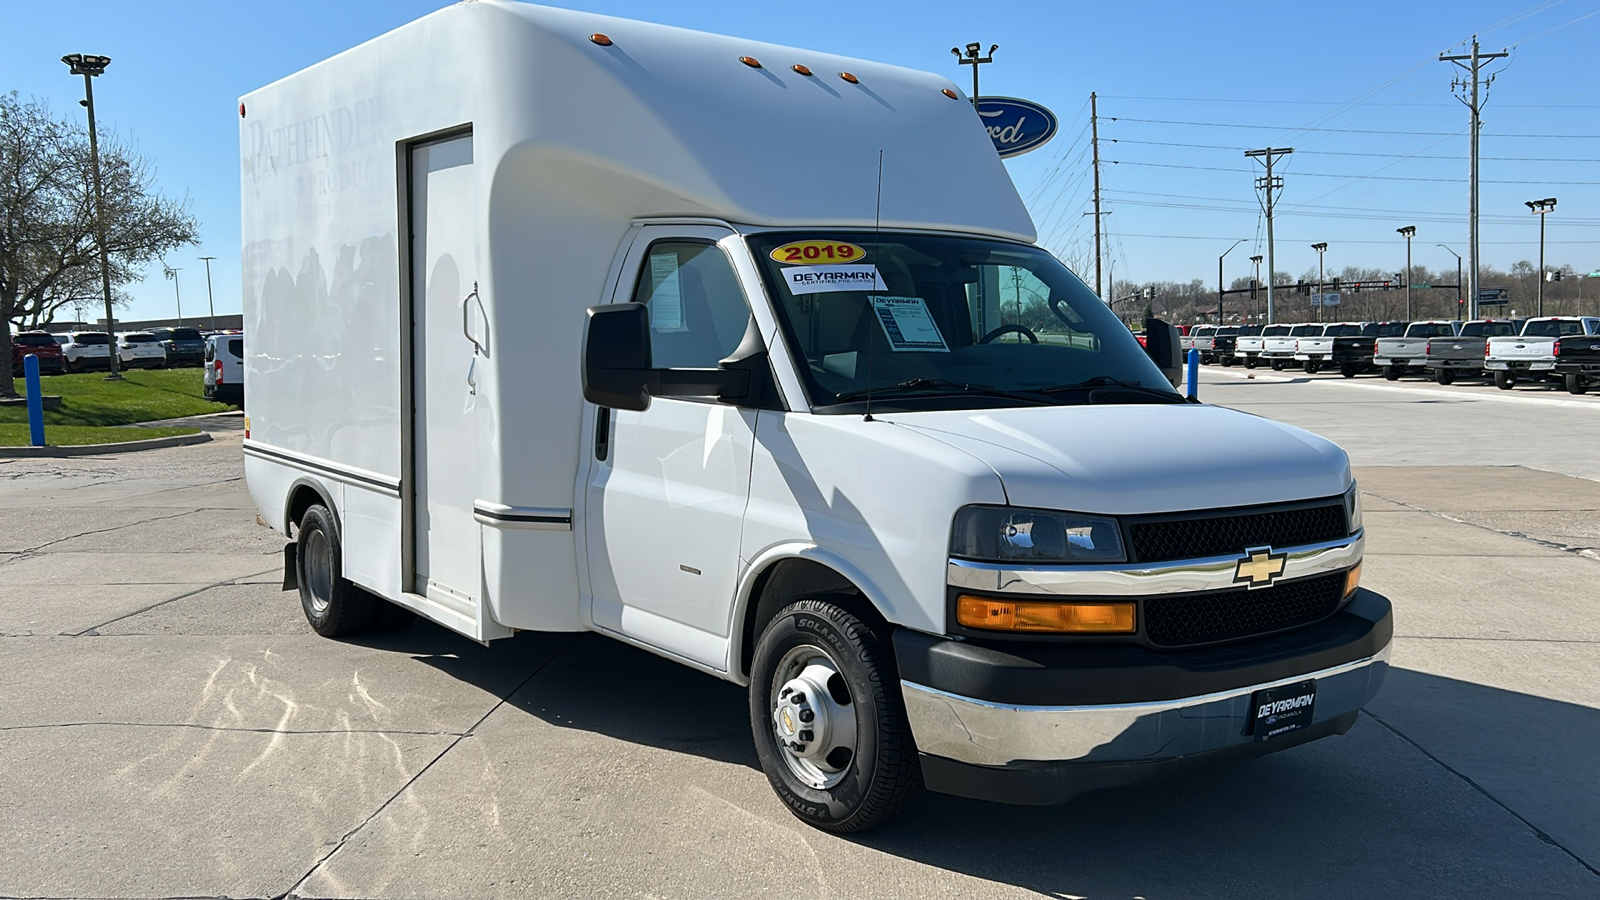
(828, 718)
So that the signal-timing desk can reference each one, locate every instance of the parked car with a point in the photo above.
(1279, 349)
(224, 369)
(1226, 342)
(1406, 354)
(37, 343)
(1202, 339)
(1352, 352)
(1533, 350)
(87, 350)
(185, 345)
(1578, 362)
(1247, 347)
(1449, 358)
(140, 349)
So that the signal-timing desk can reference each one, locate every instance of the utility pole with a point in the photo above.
(1408, 232)
(89, 66)
(1540, 208)
(1471, 63)
(1219, 279)
(1270, 184)
(1094, 138)
(1459, 308)
(210, 301)
(172, 273)
(973, 59)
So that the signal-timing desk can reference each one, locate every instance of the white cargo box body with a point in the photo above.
(570, 143)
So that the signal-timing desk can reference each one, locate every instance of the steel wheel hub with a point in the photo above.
(813, 717)
(318, 570)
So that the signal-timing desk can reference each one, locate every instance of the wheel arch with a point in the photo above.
(302, 495)
(783, 574)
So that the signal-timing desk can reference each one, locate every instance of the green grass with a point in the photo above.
(145, 395)
(77, 435)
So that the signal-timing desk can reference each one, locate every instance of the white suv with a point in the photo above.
(140, 348)
(87, 350)
(224, 369)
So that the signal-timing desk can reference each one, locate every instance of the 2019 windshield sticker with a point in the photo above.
(908, 325)
(818, 279)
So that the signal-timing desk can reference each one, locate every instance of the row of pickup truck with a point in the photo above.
(1565, 349)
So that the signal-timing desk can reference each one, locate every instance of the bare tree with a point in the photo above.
(48, 255)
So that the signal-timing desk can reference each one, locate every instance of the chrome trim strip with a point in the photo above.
(993, 734)
(383, 484)
(535, 518)
(1181, 576)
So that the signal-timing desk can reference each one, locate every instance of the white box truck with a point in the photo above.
(745, 355)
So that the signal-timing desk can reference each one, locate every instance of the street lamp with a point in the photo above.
(1408, 232)
(172, 273)
(1459, 314)
(1219, 278)
(1539, 208)
(1321, 248)
(89, 66)
(210, 302)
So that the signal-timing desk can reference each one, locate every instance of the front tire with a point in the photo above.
(1504, 380)
(829, 722)
(333, 606)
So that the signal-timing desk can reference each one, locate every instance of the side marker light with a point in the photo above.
(1352, 580)
(750, 61)
(951, 94)
(801, 69)
(850, 78)
(600, 39)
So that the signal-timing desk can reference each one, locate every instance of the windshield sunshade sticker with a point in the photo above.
(818, 253)
(818, 279)
(908, 325)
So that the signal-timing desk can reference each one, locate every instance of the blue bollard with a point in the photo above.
(1194, 372)
(30, 373)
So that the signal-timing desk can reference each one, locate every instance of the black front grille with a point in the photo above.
(1220, 535)
(1182, 620)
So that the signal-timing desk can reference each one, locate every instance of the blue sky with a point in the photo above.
(1179, 84)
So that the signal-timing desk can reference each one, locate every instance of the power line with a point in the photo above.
(1123, 162)
(1336, 103)
(1575, 137)
(1236, 149)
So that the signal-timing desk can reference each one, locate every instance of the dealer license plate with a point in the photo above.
(1281, 710)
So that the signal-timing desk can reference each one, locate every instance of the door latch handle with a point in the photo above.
(466, 313)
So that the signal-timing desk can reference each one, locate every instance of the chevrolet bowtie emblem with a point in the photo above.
(1259, 567)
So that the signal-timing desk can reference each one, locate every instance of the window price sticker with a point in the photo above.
(908, 325)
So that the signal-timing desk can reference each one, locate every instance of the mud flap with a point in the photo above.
(291, 567)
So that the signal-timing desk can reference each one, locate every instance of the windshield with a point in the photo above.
(1431, 329)
(1552, 328)
(933, 322)
(1305, 330)
(1487, 329)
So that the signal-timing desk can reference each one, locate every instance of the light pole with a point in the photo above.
(1459, 311)
(1255, 279)
(974, 60)
(89, 66)
(1539, 208)
(172, 273)
(1321, 248)
(211, 303)
(1408, 232)
(1219, 278)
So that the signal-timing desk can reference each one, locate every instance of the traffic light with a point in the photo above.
(1399, 280)
(1552, 276)
(1336, 284)
(1300, 287)
(1252, 289)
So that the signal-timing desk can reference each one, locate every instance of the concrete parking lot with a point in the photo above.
(170, 727)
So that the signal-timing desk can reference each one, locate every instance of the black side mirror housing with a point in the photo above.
(618, 371)
(1162, 342)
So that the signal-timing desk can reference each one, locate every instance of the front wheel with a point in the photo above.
(1576, 383)
(1444, 376)
(829, 722)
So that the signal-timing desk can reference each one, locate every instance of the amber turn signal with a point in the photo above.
(801, 69)
(750, 61)
(600, 39)
(1044, 616)
(850, 78)
(951, 94)
(1352, 580)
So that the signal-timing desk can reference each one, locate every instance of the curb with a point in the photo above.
(177, 440)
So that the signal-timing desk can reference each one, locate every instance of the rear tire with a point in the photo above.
(333, 606)
(1312, 367)
(1226, 361)
(1504, 380)
(1576, 383)
(1250, 362)
(1444, 376)
(1391, 373)
(856, 765)
(1347, 369)
(1277, 365)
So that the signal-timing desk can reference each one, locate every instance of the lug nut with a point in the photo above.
(799, 696)
(806, 735)
(785, 692)
(807, 715)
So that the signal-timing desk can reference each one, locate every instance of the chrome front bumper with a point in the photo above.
(984, 733)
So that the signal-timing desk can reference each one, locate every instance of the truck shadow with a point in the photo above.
(1379, 812)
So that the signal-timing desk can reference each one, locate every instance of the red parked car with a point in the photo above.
(51, 360)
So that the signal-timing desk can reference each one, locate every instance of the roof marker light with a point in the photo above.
(600, 39)
(850, 78)
(241, 110)
(750, 61)
(801, 69)
(951, 94)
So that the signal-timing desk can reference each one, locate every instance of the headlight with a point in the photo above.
(1007, 534)
(1352, 507)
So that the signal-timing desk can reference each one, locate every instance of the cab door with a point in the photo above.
(666, 490)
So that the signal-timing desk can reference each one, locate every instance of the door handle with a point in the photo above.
(466, 312)
(602, 433)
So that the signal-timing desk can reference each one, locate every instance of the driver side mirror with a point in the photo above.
(1162, 343)
(617, 366)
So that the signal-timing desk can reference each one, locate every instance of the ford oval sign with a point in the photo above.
(1016, 126)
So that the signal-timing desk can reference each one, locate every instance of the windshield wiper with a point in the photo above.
(1100, 381)
(942, 386)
